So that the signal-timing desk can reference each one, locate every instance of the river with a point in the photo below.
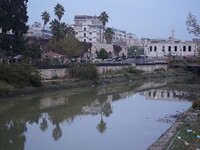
(128, 116)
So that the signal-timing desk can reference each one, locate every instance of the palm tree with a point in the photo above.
(45, 17)
(59, 11)
(109, 33)
(70, 31)
(104, 18)
(55, 28)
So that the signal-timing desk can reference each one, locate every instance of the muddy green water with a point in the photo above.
(120, 117)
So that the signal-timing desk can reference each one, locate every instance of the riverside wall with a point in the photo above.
(48, 74)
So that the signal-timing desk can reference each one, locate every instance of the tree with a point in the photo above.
(69, 46)
(192, 25)
(32, 51)
(45, 17)
(135, 51)
(109, 33)
(104, 18)
(59, 30)
(117, 49)
(70, 31)
(13, 17)
(59, 11)
(102, 54)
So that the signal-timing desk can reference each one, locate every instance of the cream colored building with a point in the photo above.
(161, 48)
(88, 28)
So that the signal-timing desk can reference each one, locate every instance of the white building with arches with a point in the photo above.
(161, 48)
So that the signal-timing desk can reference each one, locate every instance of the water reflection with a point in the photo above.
(51, 111)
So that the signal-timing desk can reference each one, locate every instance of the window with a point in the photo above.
(189, 48)
(149, 93)
(84, 34)
(168, 94)
(162, 94)
(84, 40)
(154, 94)
(163, 48)
(175, 48)
(155, 48)
(150, 48)
(90, 39)
(90, 32)
(169, 48)
(184, 48)
(85, 29)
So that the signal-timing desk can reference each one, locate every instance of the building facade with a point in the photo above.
(88, 28)
(37, 31)
(161, 48)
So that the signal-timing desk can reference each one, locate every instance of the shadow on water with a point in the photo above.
(53, 109)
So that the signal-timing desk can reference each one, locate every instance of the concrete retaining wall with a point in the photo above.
(48, 74)
(105, 69)
(151, 68)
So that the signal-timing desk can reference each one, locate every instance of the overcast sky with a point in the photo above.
(145, 18)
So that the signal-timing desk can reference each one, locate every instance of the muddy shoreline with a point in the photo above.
(166, 139)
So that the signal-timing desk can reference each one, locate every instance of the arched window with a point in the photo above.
(150, 48)
(155, 48)
(163, 48)
(169, 48)
(184, 48)
(189, 48)
(175, 48)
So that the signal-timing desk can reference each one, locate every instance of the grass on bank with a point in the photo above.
(187, 137)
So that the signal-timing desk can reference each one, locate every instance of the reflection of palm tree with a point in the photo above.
(57, 132)
(102, 125)
(44, 125)
(107, 110)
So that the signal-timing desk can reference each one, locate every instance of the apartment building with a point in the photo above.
(88, 28)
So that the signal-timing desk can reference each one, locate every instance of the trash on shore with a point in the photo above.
(186, 143)
(179, 137)
(198, 136)
(188, 130)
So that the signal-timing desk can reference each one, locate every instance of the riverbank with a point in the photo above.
(183, 134)
(103, 80)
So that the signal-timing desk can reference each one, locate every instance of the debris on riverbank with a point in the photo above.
(171, 139)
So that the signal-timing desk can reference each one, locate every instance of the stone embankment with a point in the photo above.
(165, 140)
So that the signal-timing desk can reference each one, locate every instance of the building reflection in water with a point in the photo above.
(54, 110)
(164, 94)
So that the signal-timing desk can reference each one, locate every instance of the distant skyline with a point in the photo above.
(145, 18)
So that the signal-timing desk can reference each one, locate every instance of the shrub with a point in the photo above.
(102, 54)
(132, 70)
(5, 88)
(20, 75)
(84, 71)
(196, 104)
(159, 70)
